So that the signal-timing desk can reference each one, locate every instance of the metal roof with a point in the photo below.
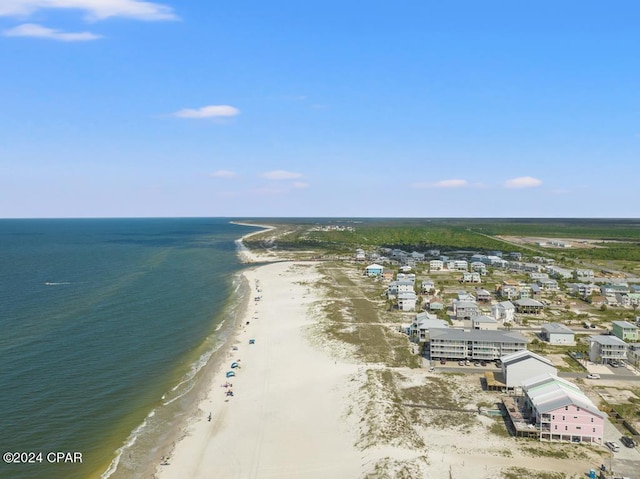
(607, 340)
(478, 335)
(556, 328)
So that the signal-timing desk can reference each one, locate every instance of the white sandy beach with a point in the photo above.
(285, 418)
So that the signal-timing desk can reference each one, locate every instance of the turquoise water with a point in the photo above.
(104, 327)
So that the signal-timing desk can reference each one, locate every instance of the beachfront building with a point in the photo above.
(484, 345)
(528, 306)
(504, 311)
(557, 333)
(373, 270)
(625, 331)
(561, 411)
(484, 322)
(605, 348)
(523, 365)
(423, 323)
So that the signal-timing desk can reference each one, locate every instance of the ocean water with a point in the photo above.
(105, 327)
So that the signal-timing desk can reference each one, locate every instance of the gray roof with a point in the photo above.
(478, 335)
(523, 356)
(528, 302)
(624, 324)
(466, 304)
(483, 319)
(607, 340)
(556, 328)
(506, 304)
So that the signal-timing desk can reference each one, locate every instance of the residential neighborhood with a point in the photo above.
(533, 330)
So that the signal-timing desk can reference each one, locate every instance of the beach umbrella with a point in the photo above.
(234, 365)
(230, 374)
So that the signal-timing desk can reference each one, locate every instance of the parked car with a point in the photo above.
(443, 361)
(613, 446)
(460, 363)
(627, 441)
(593, 376)
(483, 363)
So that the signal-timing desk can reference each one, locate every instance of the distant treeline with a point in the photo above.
(466, 234)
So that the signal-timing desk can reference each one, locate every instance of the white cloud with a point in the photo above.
(442, 184)
(95, 9)
(300, 185)
(223, 174)
(281, 175)
(38, 31)
(523, 182)
(211, 111)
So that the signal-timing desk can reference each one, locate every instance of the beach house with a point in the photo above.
(561, 411)
(625, 331)
(523, 365)
(436, 265)
(504, 311)
(423, 322)
(373, 270)
(484, 323)
(473, 277)
(557, 333)
(407, 301)
(528, 306)
(605, 348)
(465, 309)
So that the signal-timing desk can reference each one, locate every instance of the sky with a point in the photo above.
(466, 108)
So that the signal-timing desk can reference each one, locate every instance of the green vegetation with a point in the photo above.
(499, 428)
(354, 319)
(615, 242)
(521, 472)
(384, 421)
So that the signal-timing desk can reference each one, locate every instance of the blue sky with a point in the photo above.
(405, 109)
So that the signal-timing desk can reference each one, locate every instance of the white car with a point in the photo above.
(613, 446)
(593, 376)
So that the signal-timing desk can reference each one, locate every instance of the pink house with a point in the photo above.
(562, 411)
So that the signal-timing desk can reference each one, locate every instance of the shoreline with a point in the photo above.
(285, 415)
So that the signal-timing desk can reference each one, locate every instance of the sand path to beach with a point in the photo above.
(286, 416)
